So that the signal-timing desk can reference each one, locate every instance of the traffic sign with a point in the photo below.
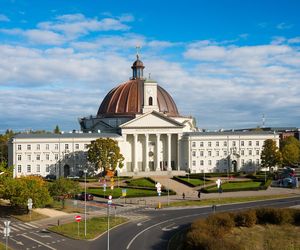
(109, 202)
(158, 188)
(78, 218)
(6, 229)
(29, 203)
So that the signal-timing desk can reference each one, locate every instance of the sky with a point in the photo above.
(227, 63)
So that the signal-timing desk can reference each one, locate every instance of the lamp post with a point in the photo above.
(85, 171)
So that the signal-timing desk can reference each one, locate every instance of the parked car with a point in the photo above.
(50, 177)
(89, 197)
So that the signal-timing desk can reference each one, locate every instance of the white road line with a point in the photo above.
(13, 228)
(38, 242)
(29, 224)
(157, 224)
(25, 226)
(141, 223)
(19, 226)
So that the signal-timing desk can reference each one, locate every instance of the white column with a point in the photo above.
(178, 153)
(147, 153)
(135, 156)
(157, 167)
(169, 151)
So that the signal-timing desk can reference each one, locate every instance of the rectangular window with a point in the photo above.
(217, 144)
(242, 143)
(193, 144)
(209, 153)
(19, 168)
(257, 152)
(201, 162)
(47, 146)
(225, 143)
(28, 168)
(201, 144)
(201, 153)
(38, 146)
(225, 153)
(243, 162)
(85, 146)
(233, 143)
(56, 146)
(38, 157)
(257, 143)
(66, 146)
(242, 152)
(47, 168)
(194, 153)
(217, 153)
(250, 152)
(29, 157)
(56, 156)
(249, 143)
(194, 163)
(28, 147)
(47, 157)
(257, 161)
(19, 147)
(209, 162)
(38, 168)
(19, 157)
(76, 146)
(209, 144)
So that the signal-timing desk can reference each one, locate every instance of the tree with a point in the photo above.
(4, 145)
(105, 154)
(270, 155)
(56, 130)
(19, 190)
(63, 188)
(290, 149)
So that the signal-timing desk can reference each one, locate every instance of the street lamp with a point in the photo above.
(85, 171)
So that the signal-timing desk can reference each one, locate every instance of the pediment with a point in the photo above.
(152, 120)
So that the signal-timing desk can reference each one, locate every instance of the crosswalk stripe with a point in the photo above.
(24, 226)
(19, 227)
(31, 225)
(14, 229)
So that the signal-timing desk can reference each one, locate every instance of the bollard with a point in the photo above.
(57, 222)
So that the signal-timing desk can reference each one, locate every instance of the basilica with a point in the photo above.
(154, 138)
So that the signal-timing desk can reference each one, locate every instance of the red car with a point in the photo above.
(81, 196)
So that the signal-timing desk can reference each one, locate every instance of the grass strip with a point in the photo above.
(30, 217)
(227, 200)
(95, 227)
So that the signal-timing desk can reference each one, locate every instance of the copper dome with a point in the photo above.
(127, 100)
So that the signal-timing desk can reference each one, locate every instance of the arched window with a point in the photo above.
(150, 101)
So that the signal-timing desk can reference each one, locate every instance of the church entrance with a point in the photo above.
(66, 170)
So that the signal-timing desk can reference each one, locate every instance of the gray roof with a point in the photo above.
(229, 133)
(66, 135)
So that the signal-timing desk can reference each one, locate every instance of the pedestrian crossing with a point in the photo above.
(18, 226)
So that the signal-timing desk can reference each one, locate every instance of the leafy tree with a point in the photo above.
(4, 145)
(290, 149)
(19, 190)
(105, 154)
(56, 130)
(270, 155)
(63, 188)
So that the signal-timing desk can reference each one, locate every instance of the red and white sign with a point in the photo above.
(78, 218)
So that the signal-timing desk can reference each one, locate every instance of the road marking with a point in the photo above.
(18, 242)
(29, 224)
(141, 223)
(25, 226)
(157, 224)
(42, 236)
(38, 242)
(169, 227)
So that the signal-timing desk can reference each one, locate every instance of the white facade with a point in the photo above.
(224, 151)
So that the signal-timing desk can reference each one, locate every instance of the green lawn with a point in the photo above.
(141, 182)
(30, 217)
(194, 182)
(117, 192)
(237, 185)
(95, 226)
(222, 200)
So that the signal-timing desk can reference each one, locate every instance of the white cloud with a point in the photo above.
(294, 40)
(4, 18)
(284, 26)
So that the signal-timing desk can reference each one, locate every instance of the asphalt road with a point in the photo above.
(151, 233)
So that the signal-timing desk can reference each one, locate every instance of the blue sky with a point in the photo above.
(224, 62)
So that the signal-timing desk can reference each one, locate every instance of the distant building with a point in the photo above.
(153, 137)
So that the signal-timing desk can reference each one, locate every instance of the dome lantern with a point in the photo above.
(137, 68)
